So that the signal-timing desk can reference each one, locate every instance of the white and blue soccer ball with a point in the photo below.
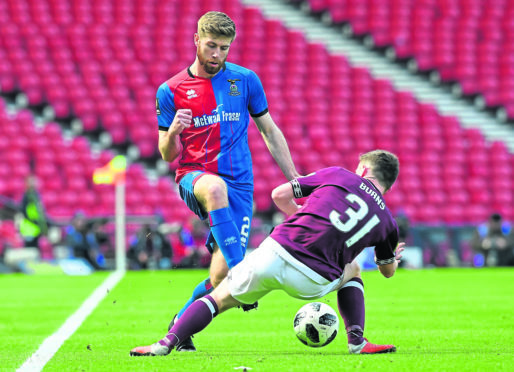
(316, 324)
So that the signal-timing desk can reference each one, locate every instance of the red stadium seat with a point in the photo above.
(439, 35)
(453, 214)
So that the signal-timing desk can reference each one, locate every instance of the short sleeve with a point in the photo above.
(165, 107)
(258, 105)
(304, 186)
(385, 251)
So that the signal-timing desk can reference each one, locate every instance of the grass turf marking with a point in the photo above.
(52, 343)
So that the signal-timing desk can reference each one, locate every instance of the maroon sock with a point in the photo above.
(350, 300)
(197, 316)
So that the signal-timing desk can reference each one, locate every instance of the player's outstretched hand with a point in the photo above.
(398, 252)
(183, 119)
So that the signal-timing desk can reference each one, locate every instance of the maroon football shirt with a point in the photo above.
(344, 214)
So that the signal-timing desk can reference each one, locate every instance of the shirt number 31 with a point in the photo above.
(354, 216)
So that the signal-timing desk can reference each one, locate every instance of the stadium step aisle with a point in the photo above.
(391, 112)
(465, 42)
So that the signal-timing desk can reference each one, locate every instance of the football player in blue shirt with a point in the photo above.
(203, 115)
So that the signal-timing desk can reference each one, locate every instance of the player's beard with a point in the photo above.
(208, 68)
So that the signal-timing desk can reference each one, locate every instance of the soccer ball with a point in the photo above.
(316, 324)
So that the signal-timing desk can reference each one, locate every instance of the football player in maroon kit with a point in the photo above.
(312, 253)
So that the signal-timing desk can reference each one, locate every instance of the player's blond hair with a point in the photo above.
(384, 165)
(216, 24)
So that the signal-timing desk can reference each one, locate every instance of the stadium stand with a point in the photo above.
(468, 42)
(64, 171)
(102, 62)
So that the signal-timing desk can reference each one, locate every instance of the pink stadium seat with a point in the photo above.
(453, 213)
(476, 213)
(440, 35)
(427, 214)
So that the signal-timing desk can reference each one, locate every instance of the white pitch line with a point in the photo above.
(52, 343)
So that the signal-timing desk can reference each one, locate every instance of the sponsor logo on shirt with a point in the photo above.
(157, 108)
(233, 87)
(216, 116)
(191, 93)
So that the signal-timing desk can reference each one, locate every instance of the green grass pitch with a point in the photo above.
(439, 319)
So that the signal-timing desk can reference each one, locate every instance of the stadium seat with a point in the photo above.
(439, 35)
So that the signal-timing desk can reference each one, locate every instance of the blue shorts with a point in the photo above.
(240, 203)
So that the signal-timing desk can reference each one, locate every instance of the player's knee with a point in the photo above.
(217, 195)
(216, 279)
(211, 192)
(217, 275)
(223, 298)
(355, 269)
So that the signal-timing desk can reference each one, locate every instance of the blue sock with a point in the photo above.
(203, 288)
(227, 235)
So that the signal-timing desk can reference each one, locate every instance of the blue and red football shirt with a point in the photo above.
(217, 140)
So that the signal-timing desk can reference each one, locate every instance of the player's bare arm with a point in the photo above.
(283, 197)
(389, 269)
(277, 145)
(169, 141)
